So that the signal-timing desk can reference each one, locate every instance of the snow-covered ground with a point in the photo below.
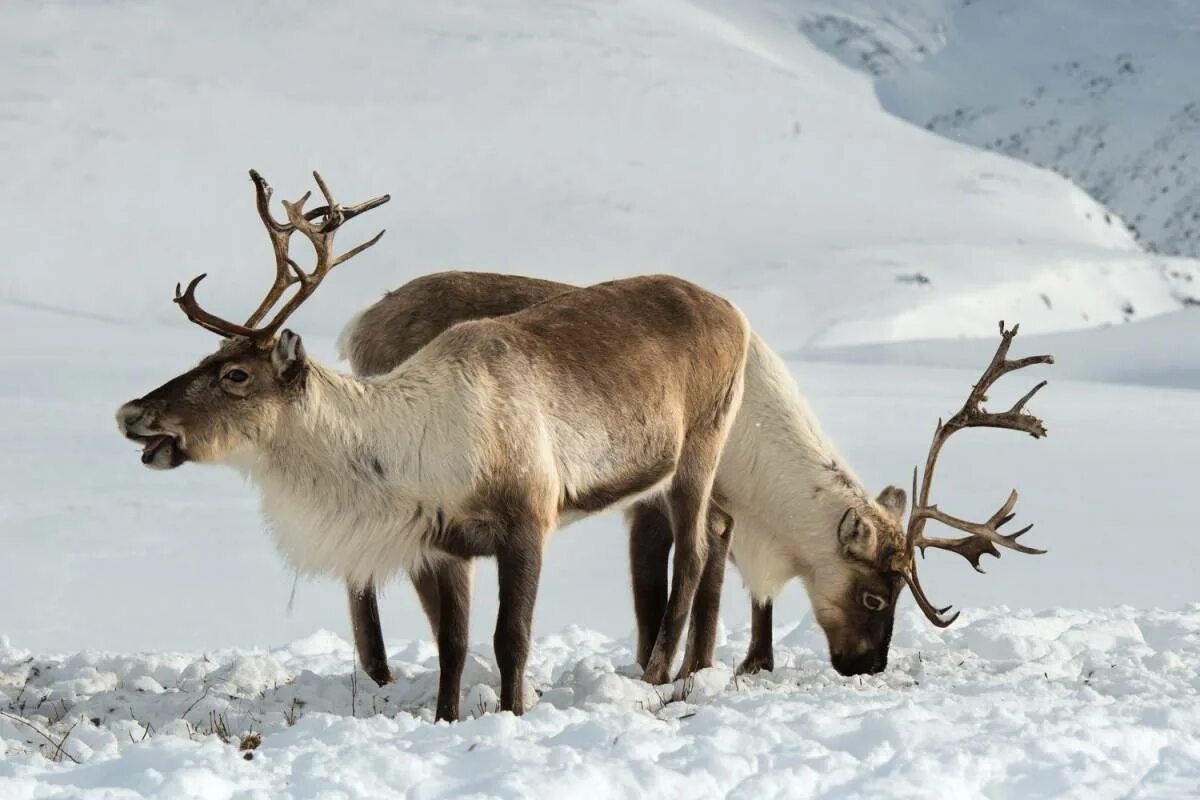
(1011, 704)
(578, 140)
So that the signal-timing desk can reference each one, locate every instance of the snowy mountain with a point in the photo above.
(1101, 92)
(764, 148)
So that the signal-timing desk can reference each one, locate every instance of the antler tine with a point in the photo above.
(210, 322)
(320, 236)
(318, 226)
(983, 537)
(932, 612)
(281, 234)
(262, 197)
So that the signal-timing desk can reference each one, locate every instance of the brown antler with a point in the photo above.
(319, 226)
(985, 536)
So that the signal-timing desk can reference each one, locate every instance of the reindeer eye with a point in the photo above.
(873, 602)
(237, 376)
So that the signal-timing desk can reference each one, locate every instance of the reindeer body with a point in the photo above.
(780, 477)
(371, 477)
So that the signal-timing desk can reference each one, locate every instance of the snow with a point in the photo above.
(718, 140)
(1150, 353)
(1098, 90)
(1058, 704)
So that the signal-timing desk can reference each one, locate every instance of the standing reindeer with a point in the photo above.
(496, 433)
(799, 509)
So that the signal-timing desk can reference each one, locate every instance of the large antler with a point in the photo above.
(984, 536)
(319, 226)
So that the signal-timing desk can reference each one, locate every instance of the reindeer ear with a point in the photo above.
(288, 357)
(857, 536)
(894, 501)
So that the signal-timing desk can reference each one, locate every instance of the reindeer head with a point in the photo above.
(856, 607)
(233, 398)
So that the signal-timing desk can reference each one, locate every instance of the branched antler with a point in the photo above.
(319, 226)
(984, 537)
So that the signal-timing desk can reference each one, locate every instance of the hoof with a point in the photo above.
(656, 676)
(686, 671)
(754, 664)
(381, 675)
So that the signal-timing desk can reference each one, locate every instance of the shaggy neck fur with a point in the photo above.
(347, 487)
(784, 482)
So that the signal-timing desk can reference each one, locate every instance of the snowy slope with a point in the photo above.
(1102, 91)
(1159, 352)
(572, 140)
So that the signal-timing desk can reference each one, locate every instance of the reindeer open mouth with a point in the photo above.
(159, 450)
(155, 444)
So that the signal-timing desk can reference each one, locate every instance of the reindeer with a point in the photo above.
(496, 433)
(799, 508)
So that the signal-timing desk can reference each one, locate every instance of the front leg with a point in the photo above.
(761, 655)
(425, 583)
(452, 578)
(519, 568)
(368, 634)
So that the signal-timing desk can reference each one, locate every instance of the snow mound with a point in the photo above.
(1067, 703)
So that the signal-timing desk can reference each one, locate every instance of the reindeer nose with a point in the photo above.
(128, 415)
(859, 664)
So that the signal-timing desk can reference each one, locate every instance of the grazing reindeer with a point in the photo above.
(494, 434)
(800, 510)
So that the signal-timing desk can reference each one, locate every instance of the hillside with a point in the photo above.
(1101, 92)
(575, 141)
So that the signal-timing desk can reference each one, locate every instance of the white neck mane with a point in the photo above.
(359, 471)
(783, 480)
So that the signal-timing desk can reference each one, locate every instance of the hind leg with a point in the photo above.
(706, 608)
(687, 499)
(649, 549)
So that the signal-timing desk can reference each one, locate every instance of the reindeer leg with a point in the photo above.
(452, 581)
(688, 500)
(706, 608)
(368, 634)
(761, 655)
(650, 541)
(519, 567)
(426, 585)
